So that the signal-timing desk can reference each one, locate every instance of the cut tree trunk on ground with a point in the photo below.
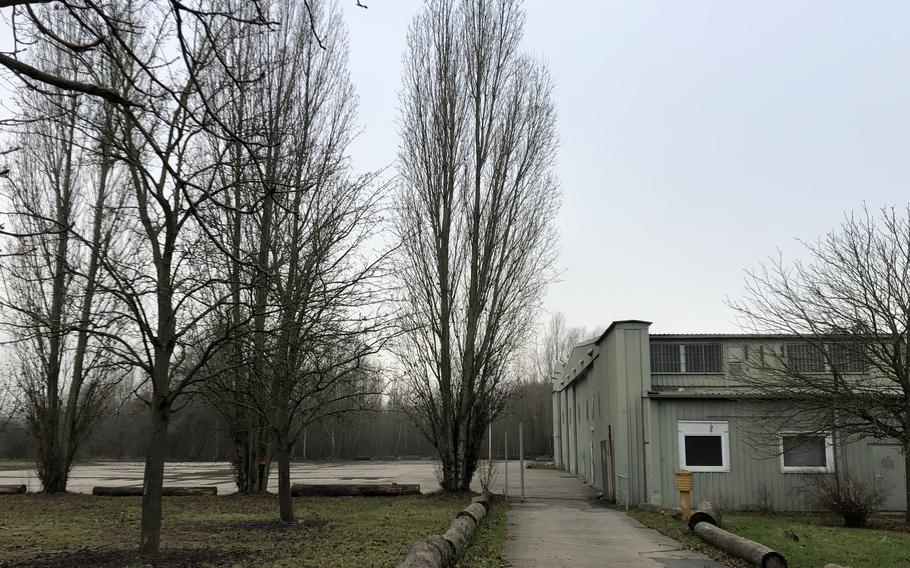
(359, 490)
(12, 489)
(432, 552)
(706, 512)
(441, 551)
(735, 545)
(134, 491)
(475, 510)
(460, 533)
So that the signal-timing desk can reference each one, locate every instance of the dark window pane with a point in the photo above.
(704, 450)
(665, 358)
(804, 451)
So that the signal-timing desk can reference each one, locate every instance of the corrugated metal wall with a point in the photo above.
(755, 480)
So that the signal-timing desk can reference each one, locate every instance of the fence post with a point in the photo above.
(506, 463)
(521, 460)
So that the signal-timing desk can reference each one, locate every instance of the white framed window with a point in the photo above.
(704, 446)
(806, 452)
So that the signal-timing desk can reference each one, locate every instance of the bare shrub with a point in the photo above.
(853, 501)
(487, 475)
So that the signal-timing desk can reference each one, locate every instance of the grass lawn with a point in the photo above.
(819, 542)
(83, 530)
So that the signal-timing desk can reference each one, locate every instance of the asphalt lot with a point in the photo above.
(219, 474)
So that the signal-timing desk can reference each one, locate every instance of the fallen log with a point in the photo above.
(136, 491)
(706, 512)
(12, 489)
(484, 499)
(735, 545)
(353, 490)
(459, 534)
(475, 510)
(432, 552)
(442, 551)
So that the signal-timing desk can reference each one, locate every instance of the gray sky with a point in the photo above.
(698, 137)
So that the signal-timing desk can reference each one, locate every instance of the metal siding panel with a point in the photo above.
(751, 473)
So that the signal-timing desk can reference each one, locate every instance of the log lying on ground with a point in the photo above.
(12, 489)
(442, 551)
(353, 490)
(752, 552)
(135, 491)
(706, 512)
(831, 565)
(460, 533)
(475, 510)
(432, 552)
(484, 499)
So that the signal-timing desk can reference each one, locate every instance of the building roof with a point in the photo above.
(620, 322)
(722, 335)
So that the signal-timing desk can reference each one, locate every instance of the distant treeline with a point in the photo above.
(198, 433)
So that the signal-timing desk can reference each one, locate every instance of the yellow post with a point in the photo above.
(684, 486)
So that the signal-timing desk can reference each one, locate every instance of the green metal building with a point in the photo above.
(631, 408)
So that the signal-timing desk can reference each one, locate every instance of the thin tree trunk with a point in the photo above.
(150, 537)
(285, 503)
(906, 450)
(70, 437)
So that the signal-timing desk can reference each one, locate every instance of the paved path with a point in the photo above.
(561, 525)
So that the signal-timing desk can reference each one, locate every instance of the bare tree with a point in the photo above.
(9, 402)
(554, 346)
(842, 319)
(64, 199)
(299, 271)
(157, 73)
(474, 216)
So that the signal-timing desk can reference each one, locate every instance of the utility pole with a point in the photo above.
(521, 460)
(490, 442)
(506, 463)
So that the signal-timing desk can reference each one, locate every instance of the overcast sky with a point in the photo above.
(697, 137)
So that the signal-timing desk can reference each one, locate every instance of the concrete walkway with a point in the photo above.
(561, 525)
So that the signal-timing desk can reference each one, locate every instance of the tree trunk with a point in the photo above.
(150, 537)
(285, 503)
(906, 449)
(249, 451)
(53, 470)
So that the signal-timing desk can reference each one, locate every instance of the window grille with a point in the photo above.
(704, 358)
(666, 358)
(804, 358)
(847, 358)
(687, 358)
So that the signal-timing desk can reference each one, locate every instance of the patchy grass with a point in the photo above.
(83, 530)
(677, 530)
(819, 542)
(486, 548)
